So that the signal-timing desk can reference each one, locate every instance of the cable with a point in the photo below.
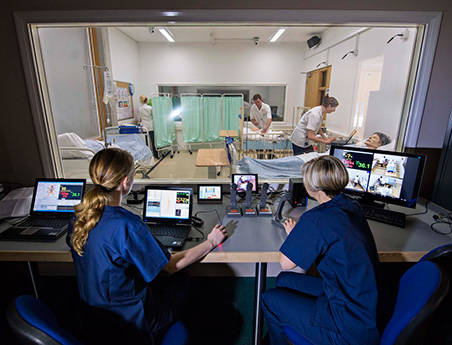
(197, 238)
(432, 226)
(209, 211)
(418, 213)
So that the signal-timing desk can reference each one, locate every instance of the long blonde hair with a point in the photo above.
(107, 169)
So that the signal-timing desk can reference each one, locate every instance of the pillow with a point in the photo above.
(73, 140)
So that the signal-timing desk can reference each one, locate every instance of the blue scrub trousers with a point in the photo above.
(292, 304)
(298, 150)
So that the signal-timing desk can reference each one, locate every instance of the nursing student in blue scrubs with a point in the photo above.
(117, 259)
(340, 307)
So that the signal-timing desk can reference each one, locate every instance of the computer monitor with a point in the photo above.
(392, 177)
(56, 195)
(168, 204)
(242, 180)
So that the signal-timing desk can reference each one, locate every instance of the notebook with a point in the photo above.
(345, 141)
(168, 212)
(52, 207)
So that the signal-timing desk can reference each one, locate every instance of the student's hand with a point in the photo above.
(289, 224)
(263, 131)
(217, 235)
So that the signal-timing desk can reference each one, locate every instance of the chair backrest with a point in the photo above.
(439, 253)
(34, 323)
(421, 290)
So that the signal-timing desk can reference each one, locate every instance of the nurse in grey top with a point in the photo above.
(310, 124)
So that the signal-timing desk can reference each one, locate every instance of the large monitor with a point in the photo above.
(392, 177)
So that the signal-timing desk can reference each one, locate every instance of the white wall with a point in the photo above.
(65, 52)
(124, 60)
(385, 106)
(223, 64)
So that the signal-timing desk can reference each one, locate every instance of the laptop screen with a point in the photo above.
(170, 204)
(57, 195)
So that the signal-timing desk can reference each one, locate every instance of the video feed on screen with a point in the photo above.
(242, 181)
(167, 204)
(382, 174)
(54, 196)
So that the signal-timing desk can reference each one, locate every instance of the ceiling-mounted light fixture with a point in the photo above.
(277, 34)
(168, 35)
(403, 35)
(354, 52)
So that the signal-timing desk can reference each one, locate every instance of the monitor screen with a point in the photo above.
(382, 175)
(57, 196)
(242, 181)
(167, 204)
(209, 192)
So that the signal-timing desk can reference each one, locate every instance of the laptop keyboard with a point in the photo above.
(45, 223)
(171, 231)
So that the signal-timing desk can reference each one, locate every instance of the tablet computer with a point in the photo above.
(210, 194)
(242, 180)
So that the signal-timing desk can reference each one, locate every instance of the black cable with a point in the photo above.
(197, 238)
(418, 213)
(432, 226)
(209, 211)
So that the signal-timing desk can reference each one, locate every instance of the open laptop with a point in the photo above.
(345, 141)
(168, 213)
(52, 207)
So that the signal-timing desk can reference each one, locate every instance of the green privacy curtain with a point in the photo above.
(232, 106)
(191, 118)
(164, 126)
(212, 118)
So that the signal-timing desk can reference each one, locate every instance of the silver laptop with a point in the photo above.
(51, 209)
(168, 212)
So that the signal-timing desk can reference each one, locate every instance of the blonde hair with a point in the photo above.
(325, 173)
(143, 99)
(107, 169)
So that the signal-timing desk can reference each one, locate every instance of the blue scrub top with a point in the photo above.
(121, 256)
(336, 236)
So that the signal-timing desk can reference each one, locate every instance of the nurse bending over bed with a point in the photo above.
(116, 257)
(341, 306)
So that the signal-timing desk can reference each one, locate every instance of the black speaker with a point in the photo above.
(313, 41)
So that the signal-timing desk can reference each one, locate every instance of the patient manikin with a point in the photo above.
(291, 166)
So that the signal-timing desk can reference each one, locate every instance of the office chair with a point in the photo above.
(439, 254)
(421, 290)
(34, 323)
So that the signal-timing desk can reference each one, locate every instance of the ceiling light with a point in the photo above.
(168, 35)
(277, 34)
(170, 14)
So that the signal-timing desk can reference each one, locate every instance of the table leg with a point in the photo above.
(260, 280)
(32, 277)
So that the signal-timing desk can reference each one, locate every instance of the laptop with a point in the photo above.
(52, 207)
(343, 142)
(168, 213)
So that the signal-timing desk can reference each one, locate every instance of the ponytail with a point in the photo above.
(107, 169)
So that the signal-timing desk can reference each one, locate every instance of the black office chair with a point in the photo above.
(33, 323)
(421, 290)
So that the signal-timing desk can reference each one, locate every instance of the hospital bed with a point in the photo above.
(274, 143)
(77, 152)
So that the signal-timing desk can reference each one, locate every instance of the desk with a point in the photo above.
(212, 158)
(393, 244)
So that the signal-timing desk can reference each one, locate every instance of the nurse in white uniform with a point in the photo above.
(260, 114)
(310, 124)
(146, 120)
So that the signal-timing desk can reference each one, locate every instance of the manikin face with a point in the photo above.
(258, 103)
(373, 141)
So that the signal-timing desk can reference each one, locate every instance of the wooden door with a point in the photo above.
(317, 85)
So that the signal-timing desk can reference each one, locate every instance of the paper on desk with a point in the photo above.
(17, 203)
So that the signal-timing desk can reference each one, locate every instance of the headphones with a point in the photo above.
(196, 222)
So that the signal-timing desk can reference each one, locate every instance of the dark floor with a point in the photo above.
(222, 307)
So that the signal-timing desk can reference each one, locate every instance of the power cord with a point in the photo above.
(418, 213)
(209, 211)
(197, 239)
(442, 219)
